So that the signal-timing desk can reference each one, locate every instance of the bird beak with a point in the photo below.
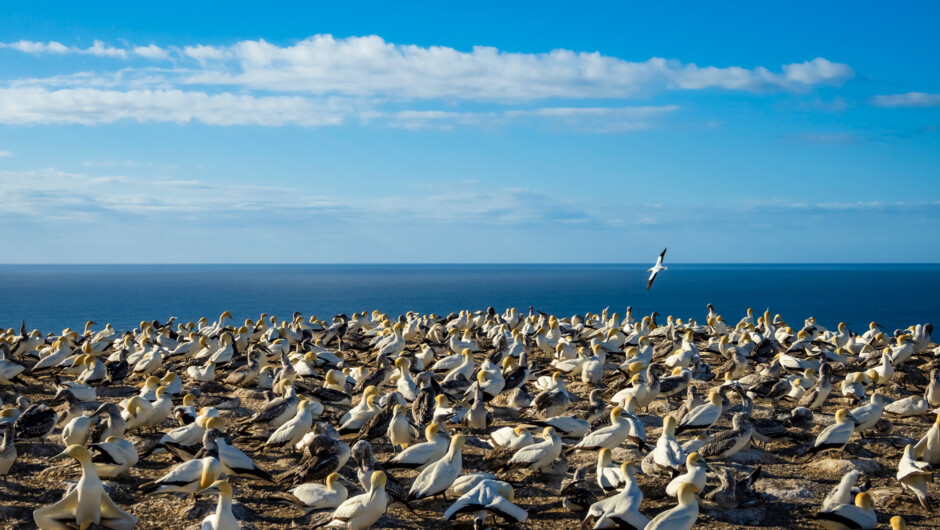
(208, 490)
(61, 456)
(349, 482)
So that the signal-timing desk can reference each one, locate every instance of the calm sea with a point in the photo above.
(52, 297)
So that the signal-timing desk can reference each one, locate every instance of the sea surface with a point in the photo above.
(52, 297)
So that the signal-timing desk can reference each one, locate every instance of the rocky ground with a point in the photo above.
(789, 492)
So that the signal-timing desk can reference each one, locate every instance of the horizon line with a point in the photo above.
(431, 263)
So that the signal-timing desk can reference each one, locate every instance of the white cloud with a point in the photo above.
(257, 82)
(910, 99)
(4, 153)
(54, 194)
(370, 66)
(205, 53)
(152, 52)
(97, 48)
(26, 46)
(92, 106)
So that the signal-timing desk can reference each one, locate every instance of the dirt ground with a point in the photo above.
(790, 490)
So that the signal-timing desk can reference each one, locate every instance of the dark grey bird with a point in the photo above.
(422, 410)
(116, 370)
(726, 443)
(37, 421)
(815, 397)
(377, 425)
(325, 453)
(383, 370)
(576, 494)
(110, 423)
(733, 492)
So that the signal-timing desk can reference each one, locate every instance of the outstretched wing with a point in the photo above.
(659, 260)
(652, 277)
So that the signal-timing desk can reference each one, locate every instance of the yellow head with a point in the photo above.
(863, 501)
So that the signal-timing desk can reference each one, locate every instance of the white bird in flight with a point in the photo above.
(656, 269)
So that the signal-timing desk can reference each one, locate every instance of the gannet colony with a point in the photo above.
(513, 419)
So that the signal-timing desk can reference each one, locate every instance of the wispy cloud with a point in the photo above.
(257, 82)
(590, 119)
(910, 99)
(51, 194)
(97, 48)
(89, 106)
(5, 153)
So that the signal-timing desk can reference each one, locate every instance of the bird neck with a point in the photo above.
(225, 503)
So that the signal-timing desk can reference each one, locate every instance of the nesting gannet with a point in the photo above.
(311, 497)
(621, 509)
(868, 415)
(609, 477)
(160, 409)
(683, 516)
(836, 435)
(696, 469)
(187, 477)
(399, 431)
(860, 515)
(668, 455)
(656, 269)
(235, 463)
(703, 416)
(84, 504)
(358, 419)
(78, 430)
(489, 496)
(422, 455)
(914, 476)
(609, 437)
(567, 426)
(439, 476)
(136, 413)
(511, 437)
(292, 431)
(540, 455)
(909, 406)
(113, 457)
(362, 511)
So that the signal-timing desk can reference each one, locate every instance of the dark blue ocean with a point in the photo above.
(52, 297)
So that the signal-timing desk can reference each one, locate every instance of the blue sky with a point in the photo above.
(372, 132)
